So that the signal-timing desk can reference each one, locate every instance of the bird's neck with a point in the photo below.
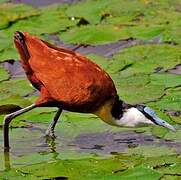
(111, 110)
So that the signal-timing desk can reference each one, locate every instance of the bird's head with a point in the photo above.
(122, 114)
(20, 43)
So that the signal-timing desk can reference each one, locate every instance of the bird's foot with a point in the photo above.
(50, 134)
(50, 140)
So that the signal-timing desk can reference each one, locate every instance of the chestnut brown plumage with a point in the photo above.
(63, 77)
(70, 81)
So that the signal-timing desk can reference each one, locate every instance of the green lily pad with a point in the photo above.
(9, 53)
(3, 74)
(15, 86)
(123, 20)
(140, 172)
(171, 100)
(172, 170)
(176, 119)
(174, 136)
(100, 60)
(91, 11)
(38, 25)
(137, 19)
(162, 161)
(93, 34)
(12, 102)
(86, 168)
(166, 79)
(2, 1)
(137, 89)
(12, 95)
(95, 11)
(145, 59)
(5, 41)
(13, 12)
(172, 34)
(151, 151)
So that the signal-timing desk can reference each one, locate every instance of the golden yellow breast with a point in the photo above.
(104, 112)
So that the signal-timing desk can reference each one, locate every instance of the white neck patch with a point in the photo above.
(133, 117)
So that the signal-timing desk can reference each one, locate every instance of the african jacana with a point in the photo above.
(72, 82)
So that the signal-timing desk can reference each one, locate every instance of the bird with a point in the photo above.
(70, 81)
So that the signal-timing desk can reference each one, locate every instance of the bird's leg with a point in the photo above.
(8, 118)
(50, 131)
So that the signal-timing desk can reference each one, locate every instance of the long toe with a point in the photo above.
(50, 135)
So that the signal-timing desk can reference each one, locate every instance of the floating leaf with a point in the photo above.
(174, 136)
(12, 12)
(100, 60)
(16, 86)
(166, 79)
(9, 53)
(2, 1)
(91, 11)
(3, 74)
(39, 24)
(12, 102)
(171, 100)
(137, 89)
(84, 169)
(145, 59)
(140, 172)
(172, 170)
(151, 151)
(12, 93)
(93, 34)
(5, 41)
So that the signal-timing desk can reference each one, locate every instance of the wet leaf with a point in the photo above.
(2, 1)
(171, 100)
(174, 136)
(12, 12)
(159, 132)
(100, 60)
(151, 151)
(15, 86)
(89, 10)
(9, 53)
(145, 59)
(5, 41)
(137, 89)
(38, 25)
(93, 34)
(166, 79)
(3, 74)
(140, 172)
(162, 161)
(87, 168)
(172, 170)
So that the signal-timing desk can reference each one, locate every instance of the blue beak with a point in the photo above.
(155, 119)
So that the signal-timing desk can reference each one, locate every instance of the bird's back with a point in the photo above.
(70, 78)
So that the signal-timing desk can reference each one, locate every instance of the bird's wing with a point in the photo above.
(68, 77)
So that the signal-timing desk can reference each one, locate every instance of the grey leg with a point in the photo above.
(8, 118)
(50, 131)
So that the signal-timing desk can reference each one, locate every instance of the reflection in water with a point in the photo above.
(50, 142)
(7, 162)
